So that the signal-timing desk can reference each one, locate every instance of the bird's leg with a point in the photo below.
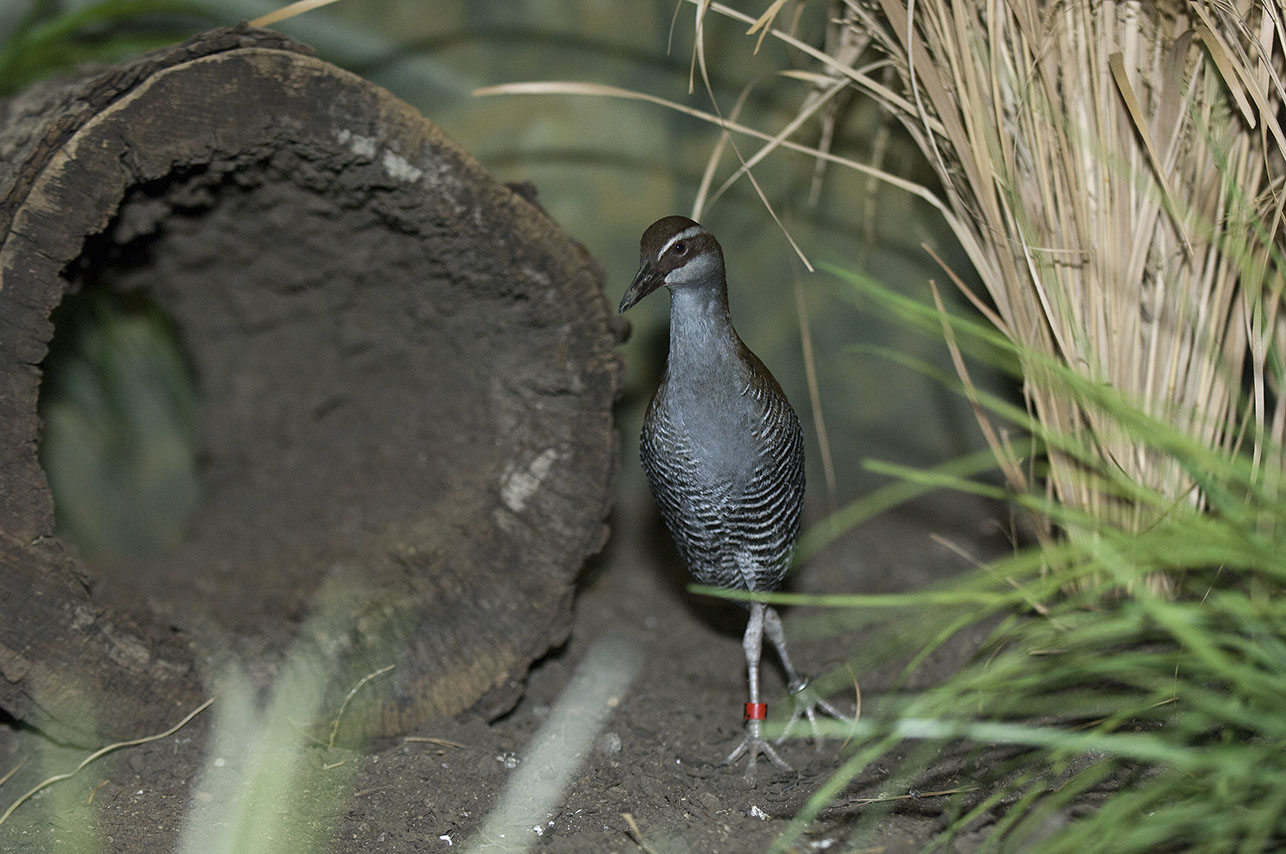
(806, 703)
(753, 744)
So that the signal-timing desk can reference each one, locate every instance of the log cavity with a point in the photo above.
(388, 415)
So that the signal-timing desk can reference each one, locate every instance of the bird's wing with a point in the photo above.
(766, 511)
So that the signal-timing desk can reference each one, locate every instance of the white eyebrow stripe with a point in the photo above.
(686, 234)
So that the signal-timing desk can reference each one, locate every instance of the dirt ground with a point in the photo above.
(655, 762)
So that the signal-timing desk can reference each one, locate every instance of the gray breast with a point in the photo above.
(728, 473)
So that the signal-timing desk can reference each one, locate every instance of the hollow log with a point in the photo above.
(405, 373)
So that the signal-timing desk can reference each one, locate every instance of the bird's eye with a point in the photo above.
(680, 248)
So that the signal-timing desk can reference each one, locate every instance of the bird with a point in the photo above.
(723, 452)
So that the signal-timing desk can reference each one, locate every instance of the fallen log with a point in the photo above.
(405, 373)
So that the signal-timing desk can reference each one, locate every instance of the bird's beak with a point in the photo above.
(646, 280)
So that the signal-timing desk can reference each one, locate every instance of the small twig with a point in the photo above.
(857, 711)
(94, 791)
(910, 796)
(960, 550)
(101, 752)
(1087, 725)
(7, 777)
(814, 392)
(636, 833)
(1035, 605)
(334, 727)
(372, 790)
(290, 10)
(426, 739)
(857, 706)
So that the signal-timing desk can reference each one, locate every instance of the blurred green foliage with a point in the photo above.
(119, 410)
(51, 35)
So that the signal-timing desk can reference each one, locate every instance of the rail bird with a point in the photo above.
(723, 453)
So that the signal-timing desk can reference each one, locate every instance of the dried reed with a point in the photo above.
(1115, 172)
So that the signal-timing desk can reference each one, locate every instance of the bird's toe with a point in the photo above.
(752, 747)
(808, 704)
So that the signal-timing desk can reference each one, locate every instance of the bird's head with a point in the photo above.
(675, 252)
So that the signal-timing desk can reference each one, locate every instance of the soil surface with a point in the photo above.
(669, 674)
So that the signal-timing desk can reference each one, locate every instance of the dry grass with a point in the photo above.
(289, 11)
(1115, 171)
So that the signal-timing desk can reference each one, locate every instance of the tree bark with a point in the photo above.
(405, 370)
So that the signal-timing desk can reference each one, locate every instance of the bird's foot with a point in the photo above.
(755, 745)
(807, 703)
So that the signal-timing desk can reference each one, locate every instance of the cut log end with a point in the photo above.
(404, 370)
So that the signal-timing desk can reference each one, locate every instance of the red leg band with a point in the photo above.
(756, 711)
